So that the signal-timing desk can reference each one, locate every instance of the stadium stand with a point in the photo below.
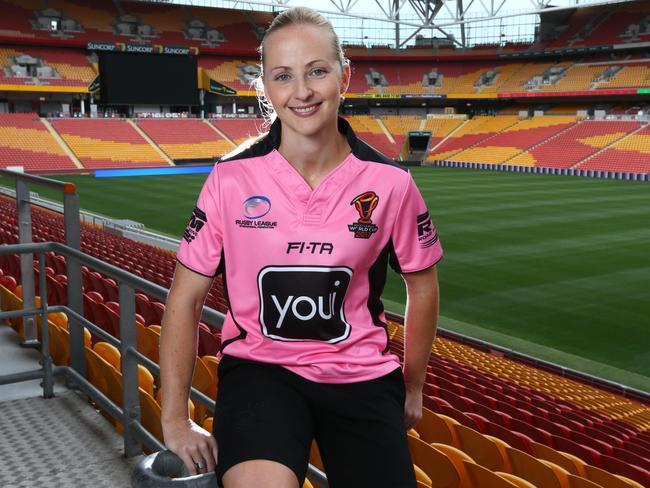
(107, 143)
(631, 75)
(631, 154)
(521, 394)
(474, 131)
(29, 65)
(185, 138)
(239, 130)
(370, 130)
(235, 73)
(441, 127)
(26, 142)
(575, 144)
(81, 22)
(399, 127)
(511, 141)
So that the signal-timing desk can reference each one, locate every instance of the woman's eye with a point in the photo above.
(282, 77)
(318, 72)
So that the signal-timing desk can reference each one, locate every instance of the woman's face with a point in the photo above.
(303, 78)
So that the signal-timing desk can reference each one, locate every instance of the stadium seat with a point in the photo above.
(150, 415)
(586, 453)
(433, 428)
(531, 469)
(578, 482)
(609, 480)
(212, 363)
(515, 439)
(572, 464)
(623, 468)
(515, 480)
(148, 342)
(482, 449)
(421, 477)
(434, 463)
(458, 458)
(485, 478)
(109, 353)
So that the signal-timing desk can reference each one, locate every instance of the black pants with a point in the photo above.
(267, 412)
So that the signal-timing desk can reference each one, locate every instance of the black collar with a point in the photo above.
(275, 132)
(271, 140)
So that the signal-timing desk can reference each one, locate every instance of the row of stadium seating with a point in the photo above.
(37, 145)
(501, 415)
(239, 30)
(159, 24)
(72, 68)
(555, 141)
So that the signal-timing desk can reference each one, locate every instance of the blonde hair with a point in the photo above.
(294, 16)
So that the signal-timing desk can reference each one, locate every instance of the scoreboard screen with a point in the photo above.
(136, 78)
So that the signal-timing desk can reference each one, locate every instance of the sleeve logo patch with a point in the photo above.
(427, 235)
(364, 204)
(197, 220)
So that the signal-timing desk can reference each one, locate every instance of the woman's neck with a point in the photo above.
(314, 157)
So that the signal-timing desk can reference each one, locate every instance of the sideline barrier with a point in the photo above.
(588, 173)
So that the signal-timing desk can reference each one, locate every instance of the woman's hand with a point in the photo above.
(412, 406)
(193, 444)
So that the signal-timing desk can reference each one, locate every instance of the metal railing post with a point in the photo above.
(131, 397)
(75, 298)
(24, 216)
(46, 359)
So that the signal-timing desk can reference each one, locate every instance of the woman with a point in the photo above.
(302, 224)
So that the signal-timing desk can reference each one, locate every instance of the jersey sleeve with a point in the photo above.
(415, 240)
(202, 242)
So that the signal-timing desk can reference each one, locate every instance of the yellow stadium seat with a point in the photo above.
(481, 477)
(516, 480)
(578, 482)
(148, 342)
(110, 353)
(482, 449)
(314, 457)
(150, 414)
(569, 462)
(532, 469)
(421, 476)
(435, 428)
(434, 463)
(457, 457)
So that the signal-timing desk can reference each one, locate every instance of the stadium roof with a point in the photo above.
(514, 20)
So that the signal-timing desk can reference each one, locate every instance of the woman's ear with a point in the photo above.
(345, 78)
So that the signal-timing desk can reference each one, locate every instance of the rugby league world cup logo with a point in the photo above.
(365, 204)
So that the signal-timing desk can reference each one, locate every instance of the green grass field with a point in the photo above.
(555, 267)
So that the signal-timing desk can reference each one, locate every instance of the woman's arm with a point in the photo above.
(178, 341)
(420, 324)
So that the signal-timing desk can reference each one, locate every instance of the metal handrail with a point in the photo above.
(129, 415)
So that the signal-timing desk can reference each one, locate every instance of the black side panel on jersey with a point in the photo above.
(376, 282)
(242, 332)
(392, 258)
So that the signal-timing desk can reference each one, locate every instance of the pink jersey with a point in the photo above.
(304, 269)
